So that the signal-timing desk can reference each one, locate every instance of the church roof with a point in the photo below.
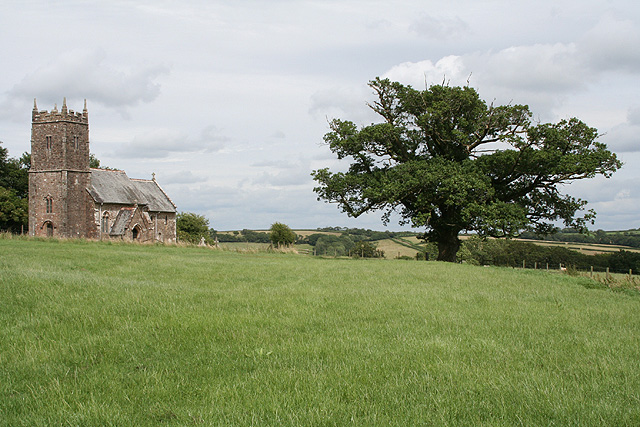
(121, 222)
(114, 186)
(157, 199)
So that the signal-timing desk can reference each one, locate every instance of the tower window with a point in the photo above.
(49, 201)
(49, 139)
(75, 142)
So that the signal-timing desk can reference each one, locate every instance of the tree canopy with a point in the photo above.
(281, 235)
(445, 160)
(14, 191)
(192, 227)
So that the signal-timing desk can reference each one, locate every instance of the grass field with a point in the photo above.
(109, 334)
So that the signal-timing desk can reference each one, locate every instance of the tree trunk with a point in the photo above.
(448, 245)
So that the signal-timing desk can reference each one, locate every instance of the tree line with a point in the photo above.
(621, 238)
(514, 253)
(194, 228)
(14, 191)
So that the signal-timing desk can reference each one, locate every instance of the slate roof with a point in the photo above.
(114, 186)
(123, 218)
(157, 199)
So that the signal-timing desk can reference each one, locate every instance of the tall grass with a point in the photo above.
(114, 334)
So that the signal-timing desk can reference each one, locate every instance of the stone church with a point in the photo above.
(69, 199)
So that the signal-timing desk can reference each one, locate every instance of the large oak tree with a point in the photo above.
(445, 160)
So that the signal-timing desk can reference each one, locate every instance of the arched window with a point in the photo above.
(105, 222)
(135, 233)
(49, 202)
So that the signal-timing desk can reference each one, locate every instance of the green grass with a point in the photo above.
(108, 334)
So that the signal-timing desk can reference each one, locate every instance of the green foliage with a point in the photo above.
(14, 174)
(192, 228)
(364, 249)
(428, 252)
(281, 235)
(431, 161)
(623, 238)
(117, 334)
(255, 236)
(13, 211)
(93, 161)
(512, 253)
(14, 191)
(331, 245)
(312, 239)
(367, 234)
(242, 236)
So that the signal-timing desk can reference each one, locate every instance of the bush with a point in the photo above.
(364, 249)
(281, 235)
(192, 228)
(332, 245)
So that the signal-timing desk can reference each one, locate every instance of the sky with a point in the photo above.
(227, 101)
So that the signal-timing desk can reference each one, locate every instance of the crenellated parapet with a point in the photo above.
(62, 115)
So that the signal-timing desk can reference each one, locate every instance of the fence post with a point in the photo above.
(535, 265)
(607, 273)
(591, 274)
(547, 266)
(524, 265)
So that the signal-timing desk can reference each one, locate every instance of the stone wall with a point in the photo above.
(155, 226)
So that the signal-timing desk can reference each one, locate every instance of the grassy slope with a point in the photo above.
(98, 334)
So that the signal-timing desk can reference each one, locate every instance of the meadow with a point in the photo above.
(121, 334)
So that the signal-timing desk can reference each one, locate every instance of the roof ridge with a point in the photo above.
(165, 193)
(107, 170)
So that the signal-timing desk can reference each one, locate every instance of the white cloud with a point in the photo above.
(269, 75)
(439, 28)
(623, 138)
(162, 142)
(633, 116)
(182, 177)
(87, 74)
(612, 44)
(342, 102)
(425, 73)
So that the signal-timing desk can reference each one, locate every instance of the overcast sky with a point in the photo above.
(228, 101)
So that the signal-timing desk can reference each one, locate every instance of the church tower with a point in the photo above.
(59, 203)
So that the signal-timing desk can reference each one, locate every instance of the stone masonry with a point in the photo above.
(59, 204)
(68, 199)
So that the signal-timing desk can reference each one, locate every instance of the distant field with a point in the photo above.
(132, 335)
(586, 248)
(393, 249)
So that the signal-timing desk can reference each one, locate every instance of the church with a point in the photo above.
(68, 199)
